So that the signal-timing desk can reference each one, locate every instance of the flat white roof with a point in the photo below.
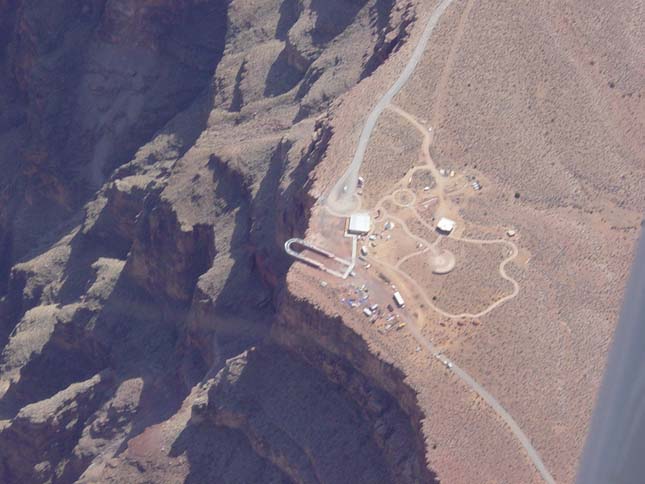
(446, 225)
(359, 223)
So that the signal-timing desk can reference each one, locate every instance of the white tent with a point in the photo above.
(446, 225)
(359, 223)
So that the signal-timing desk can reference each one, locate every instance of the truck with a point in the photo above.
(398, 299)
(367, 312)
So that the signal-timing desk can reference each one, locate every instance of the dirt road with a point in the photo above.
(342, 198)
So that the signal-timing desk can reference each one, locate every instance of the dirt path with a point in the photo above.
(442, 86)
(494, 404)
(342, 200)
(428, 301)
(468, 380)
(440, 182)
(342, 197)
(425, 148)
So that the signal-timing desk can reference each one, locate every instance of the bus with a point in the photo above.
(399, 300)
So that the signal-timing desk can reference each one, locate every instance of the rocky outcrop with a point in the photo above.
(157, 155)
(95, 79)
(47, 351)
(295, 205)
(167, 258)
(377, 386)
(261, 393)
(392, 27)
(111, 220)
(35, 445)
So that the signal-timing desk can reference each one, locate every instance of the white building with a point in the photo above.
(446, 225)
(359, 223)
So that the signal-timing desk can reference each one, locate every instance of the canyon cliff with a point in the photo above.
(156, 155)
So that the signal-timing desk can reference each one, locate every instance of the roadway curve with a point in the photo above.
(441, 195)
(432, 248)
(531, 453)
(490, 400)
(494, 404)
(342, 198)
(427, 300)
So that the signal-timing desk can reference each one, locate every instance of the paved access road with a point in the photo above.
(491, 401)
(497, 407)
(342, 198)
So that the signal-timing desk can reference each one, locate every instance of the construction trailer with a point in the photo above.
(398, 299)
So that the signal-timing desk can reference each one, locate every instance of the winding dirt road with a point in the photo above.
(432, 247)
(342, 200)
(342, 197)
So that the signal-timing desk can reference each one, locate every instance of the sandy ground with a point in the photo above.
(542, 102)
(473, 284)
(545, 116)
(396, 143)
(455, 418)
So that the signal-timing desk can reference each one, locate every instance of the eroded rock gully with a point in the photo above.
(156, 156)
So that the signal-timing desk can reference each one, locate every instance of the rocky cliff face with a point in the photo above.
(376, 386)
(157, 155)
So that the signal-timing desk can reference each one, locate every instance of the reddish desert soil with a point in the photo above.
(156, 155)
(543, 101)
(472, 286)
(397, 144)
(457, 416)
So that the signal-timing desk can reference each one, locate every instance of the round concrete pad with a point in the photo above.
(443, 262)
(404, 197)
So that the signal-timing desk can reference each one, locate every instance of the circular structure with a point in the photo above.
(404, 197)
(422, 179)
(342, 206)
(443, 262)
